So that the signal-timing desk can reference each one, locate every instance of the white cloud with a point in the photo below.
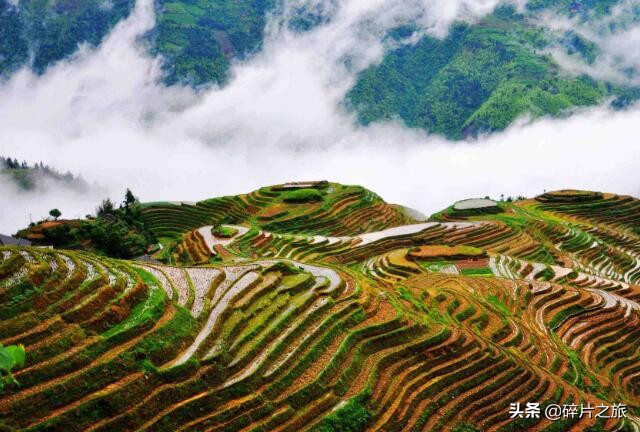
(104, 114)
(617, 36)
(18, 207)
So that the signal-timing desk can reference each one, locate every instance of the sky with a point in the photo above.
(105, 114)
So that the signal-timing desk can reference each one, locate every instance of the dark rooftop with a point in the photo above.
(13, 241)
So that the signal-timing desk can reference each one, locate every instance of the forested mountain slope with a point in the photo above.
(480, 77)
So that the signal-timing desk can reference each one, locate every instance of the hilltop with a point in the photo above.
(320, 307)
(310, 207)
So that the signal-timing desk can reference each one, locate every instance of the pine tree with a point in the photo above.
(129, 199)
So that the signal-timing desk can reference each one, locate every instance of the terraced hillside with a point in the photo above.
(308, 208)
(298, 320)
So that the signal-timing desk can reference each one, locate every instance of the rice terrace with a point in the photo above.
(321, 307)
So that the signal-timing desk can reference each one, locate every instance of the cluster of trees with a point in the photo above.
(510, 198)
(28, 177)
(120, 232)
(8, 163)
(116, 230)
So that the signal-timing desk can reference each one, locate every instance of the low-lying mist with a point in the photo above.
(105, 114)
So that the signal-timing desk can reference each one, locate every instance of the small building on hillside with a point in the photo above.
(13, 241)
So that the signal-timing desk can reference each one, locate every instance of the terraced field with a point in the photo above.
(288, 317)
(340, 210)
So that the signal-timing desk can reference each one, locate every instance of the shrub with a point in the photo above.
(11, 357)
(352, 417)
(477, 272)
(283, 267)
(302, 196)
(224, 232)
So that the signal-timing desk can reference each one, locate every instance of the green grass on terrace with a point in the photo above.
(147, 311)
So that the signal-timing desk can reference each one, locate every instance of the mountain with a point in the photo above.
(317, 306)
(479, 78)
(199, 38)
(41, 32)
(196, 37)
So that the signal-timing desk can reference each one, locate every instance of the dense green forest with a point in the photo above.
(199, 37)
(480, 78)
(51, 30)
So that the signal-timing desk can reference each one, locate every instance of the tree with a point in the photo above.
(106, 208)
(55, 213)
(129, 199)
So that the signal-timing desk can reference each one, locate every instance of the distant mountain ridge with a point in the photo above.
(38, 176)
